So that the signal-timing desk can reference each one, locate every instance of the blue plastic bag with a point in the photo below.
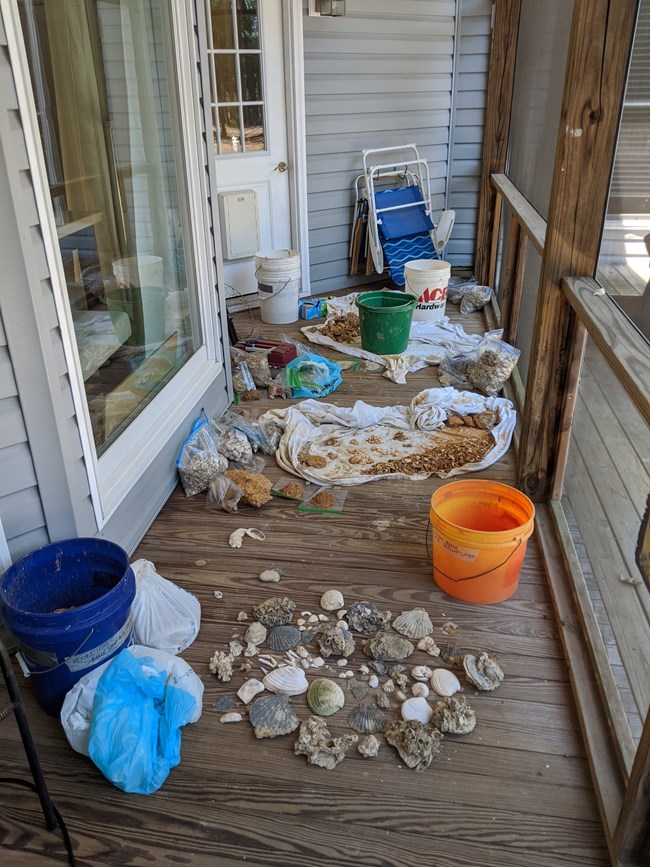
(135, 736)
(312, 376)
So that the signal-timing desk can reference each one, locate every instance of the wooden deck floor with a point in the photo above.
(514, 793)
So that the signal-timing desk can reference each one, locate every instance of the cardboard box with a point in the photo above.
(312, 308)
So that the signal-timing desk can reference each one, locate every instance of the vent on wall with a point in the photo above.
(240, 224)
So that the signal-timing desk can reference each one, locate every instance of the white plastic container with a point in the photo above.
(136, 271)
(278, 282)
(427, 280)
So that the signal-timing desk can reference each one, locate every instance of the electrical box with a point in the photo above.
(240, 224)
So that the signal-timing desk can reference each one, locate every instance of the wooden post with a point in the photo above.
(632, 836)
(599, 48)
(497, 128)
(513, 278)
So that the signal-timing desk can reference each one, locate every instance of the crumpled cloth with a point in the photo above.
(310, 423)
(428, 343)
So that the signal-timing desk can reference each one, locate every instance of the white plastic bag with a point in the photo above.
(164, 615)
(77, 710)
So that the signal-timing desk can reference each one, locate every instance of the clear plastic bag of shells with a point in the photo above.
(223, 494)
(262, 437)
(290, 489)
(199, 460)
(324, 501)
(468, 294)
(486, 369)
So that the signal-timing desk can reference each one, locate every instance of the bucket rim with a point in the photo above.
(419, 265)
(280, 253)
(409, 302)
(525, 529)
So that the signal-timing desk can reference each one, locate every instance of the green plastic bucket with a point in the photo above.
(385, 321)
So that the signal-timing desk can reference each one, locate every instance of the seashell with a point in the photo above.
(388, 648)
(373, 681)
(336, 642)
(221, 665)
(250, 649)
(454, 715)
(224, 702)
(323, 618)
(308, 636)
(275, 611)
(236, 538)
(367, 719)
(316, 742)
(232, 717)
(348, 674)
(450, 628)
(249, 689)
(272, 716)
(332, 600)
(445, 682)
(242, 616)
(366, 617)
(399, 675)
(363, 669)
(341, 614)
(388, 687)
(246, 665)
(382, 699)
(341, 662)
(236, 649)
(413, 624)
(284, 637)
(420, 690)
(256, 633)
(378, 666)
(483, 671)
(358, 688)
(270, 576)
(317, 662)
(418, 709)
(325, 697)
(429, 646)
(452, 654)
(399, 696)
(313, 618)
(421, 672)
(368, 746)
(289, 680)
(417, 744)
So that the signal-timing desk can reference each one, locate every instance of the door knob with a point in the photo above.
(281, 167)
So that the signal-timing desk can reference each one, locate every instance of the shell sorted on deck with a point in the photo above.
(249, 689)
(366, 617)
(388, 648)
(272, 716)
(316, 743)
(429, 646)
(413, 624)
(224, 702)
(417, 744)
(284, 637)
(332, 600)
(483, 671)
(420, 690)
(256, 633)
(358, 688)
(445, 682)
(452, 654)
(336, 642)
(325, 697)
(421, 672)
(275, 611)
(418, 709)
(382, 699)
(454, 715)
(289, 680)
(368, 746)
(367, 719)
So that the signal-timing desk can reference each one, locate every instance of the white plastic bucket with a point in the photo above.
(278, 282)
(136, 271)
(427, 280)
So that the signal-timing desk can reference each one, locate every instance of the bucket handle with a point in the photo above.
(58, 665)
(469, 577)
(281, 290)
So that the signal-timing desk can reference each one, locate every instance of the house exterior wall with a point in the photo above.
(382, 76)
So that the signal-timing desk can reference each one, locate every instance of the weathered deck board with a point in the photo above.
(516, 791)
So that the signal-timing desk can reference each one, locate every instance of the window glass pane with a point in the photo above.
(118, 199)
(231, 137)
(248, 24)
(226, 74)
(251, 77)
(222, 24)
(623, 267)
(254, 128)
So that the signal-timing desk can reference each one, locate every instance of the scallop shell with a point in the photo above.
(382, 699)
(417, 744)
(367, 719)
(358, 688)
(421, 672)
(454, 715)
(272, 716)
(284, 637)
(418, 709)
(445, 682)
(332, 600)
(325, 697)
(249, 689)
(388, 648)
(413, 624)
(289, 680)
(256, 633)
(483, 671)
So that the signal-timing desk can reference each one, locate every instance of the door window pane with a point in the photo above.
(229, 130)
(222, 23)
(251, 77)
(248, 30)
(226, 74)
(102, 81)
(254, 128)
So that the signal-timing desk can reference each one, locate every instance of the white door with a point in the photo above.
(250, 134)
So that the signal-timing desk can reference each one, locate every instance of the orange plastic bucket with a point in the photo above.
(480, 532)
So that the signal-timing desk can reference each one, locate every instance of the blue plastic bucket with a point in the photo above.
(69, 606)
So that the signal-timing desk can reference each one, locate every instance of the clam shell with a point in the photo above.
(417, 709)
(332, 600)
(483, 671)
(256, 633)
(272, 716)
(421, 672)
(289, 680)
(387, 647)
(284, 637)
(249, 689)
(325, 697)
(413, 624)
(367, 719)
(445, 682)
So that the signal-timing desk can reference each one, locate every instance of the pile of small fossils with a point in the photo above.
(322, 645)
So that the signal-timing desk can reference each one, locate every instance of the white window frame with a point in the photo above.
(112, 476)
